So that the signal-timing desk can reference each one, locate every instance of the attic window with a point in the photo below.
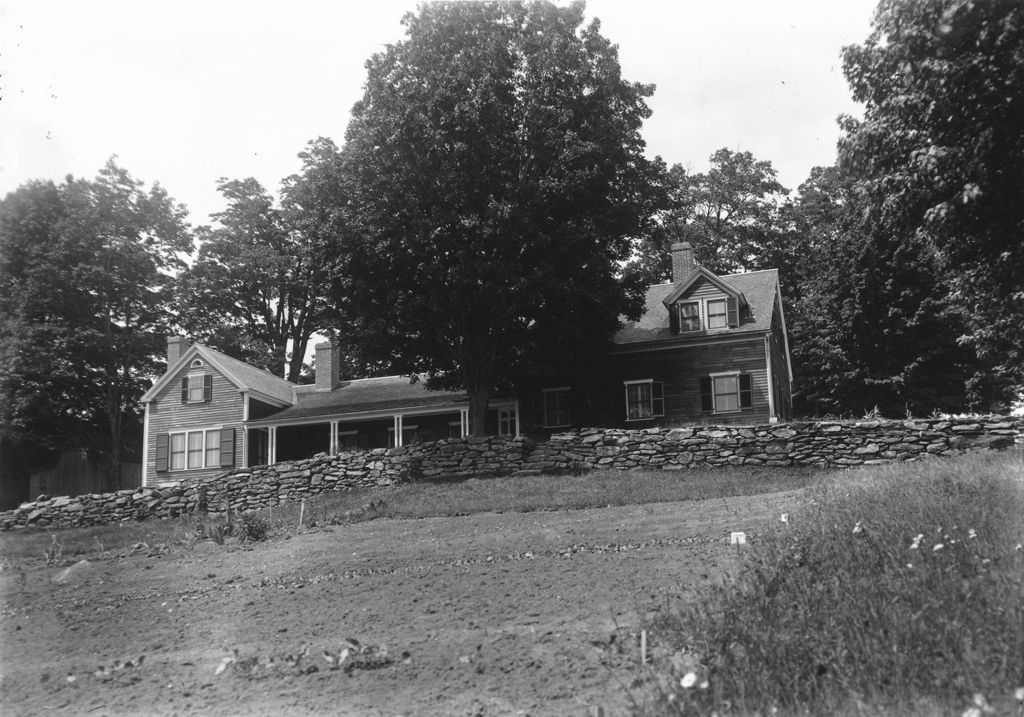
(718, 314)
(689, 315)
(197, 363)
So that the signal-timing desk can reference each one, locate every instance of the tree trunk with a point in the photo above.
(479, 398)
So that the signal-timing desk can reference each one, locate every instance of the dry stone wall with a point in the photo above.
(822, 443)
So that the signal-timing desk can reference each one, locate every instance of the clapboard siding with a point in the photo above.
(681, 370)
(167, 413)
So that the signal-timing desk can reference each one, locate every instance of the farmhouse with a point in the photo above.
(707, 349)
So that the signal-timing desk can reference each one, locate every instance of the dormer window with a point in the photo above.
(706, 314)
(689, 315)
(718, 314)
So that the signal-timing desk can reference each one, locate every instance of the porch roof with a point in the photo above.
(364, 395)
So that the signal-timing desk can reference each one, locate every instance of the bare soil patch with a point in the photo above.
(489, 614)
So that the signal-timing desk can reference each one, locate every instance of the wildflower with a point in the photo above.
(785, 518)
(1019, 546)
(938, 547)
(858, 528)
(971, 535)
(917, 541)
(971, 712)
(1019, 694)
(703, 685)
(689, 680)
(910, 566)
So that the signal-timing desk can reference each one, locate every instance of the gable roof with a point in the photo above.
(366, 394)
(241, 374)
(700, 273)
(760, 289)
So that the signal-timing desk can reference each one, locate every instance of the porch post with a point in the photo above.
(334, 438)
(398, 429)
(464, 416)
(245, 446)
(518, 433)
(272, 447)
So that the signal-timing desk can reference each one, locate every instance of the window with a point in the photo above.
(348, 440)
(197, 363)
(197, 388)
(707, 314)
(644, 400)
(718, 314)
(409, 435)
(556, 407)
(455, 429)
(689, 315)
(201, 448)
(178, 451)
(213, 447)
(506, 421)
(195, 449)
(726, 392)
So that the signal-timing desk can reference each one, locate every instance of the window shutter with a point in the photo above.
(734, 312)
(657, 398)
(207, 387)
(163, 442)
(707, 402)
(227, 447)
(184, 389)
(746, 393)
(673, 319)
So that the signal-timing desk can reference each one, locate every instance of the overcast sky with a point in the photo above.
(186, 92)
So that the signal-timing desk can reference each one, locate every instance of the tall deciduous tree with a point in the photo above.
(260, 282)
(730, 214)
(498, 174)
(84, 295)
(939, 159)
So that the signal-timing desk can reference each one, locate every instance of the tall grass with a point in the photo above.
(896, 590)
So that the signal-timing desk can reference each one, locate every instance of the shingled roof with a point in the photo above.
(758, 287)
(366, 394)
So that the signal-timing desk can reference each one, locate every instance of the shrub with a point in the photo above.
(896, 587)
(253, 528)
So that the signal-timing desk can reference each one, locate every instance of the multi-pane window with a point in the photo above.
(194, 449)
(177, 462)
(506, 421)
(727, 392)
(718, 314)
(556, 407)
(409, 435)
(213, 447)
(348, 440)
(195, 388)
(644, 400)
(689, 315)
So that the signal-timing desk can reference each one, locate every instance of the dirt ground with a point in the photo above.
(492, 614)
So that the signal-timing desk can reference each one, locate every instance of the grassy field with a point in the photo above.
(897, 590)
(412, 500)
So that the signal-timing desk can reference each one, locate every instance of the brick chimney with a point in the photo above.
(176, 346)
(682, 261)
(327, 365)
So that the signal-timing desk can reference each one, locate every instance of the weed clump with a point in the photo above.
(253, 529)
(901, 589)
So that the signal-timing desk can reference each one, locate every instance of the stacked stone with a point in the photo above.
(823, 443)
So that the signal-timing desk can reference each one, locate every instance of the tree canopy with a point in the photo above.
(497, 177)
(939, 166)
(260, 283)
(84, 298)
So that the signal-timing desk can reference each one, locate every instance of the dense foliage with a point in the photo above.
(260, 283)
(498, 176)
(85, 275)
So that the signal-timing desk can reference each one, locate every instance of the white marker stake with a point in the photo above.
(302, 511)
(643, 647)
(738, 539)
